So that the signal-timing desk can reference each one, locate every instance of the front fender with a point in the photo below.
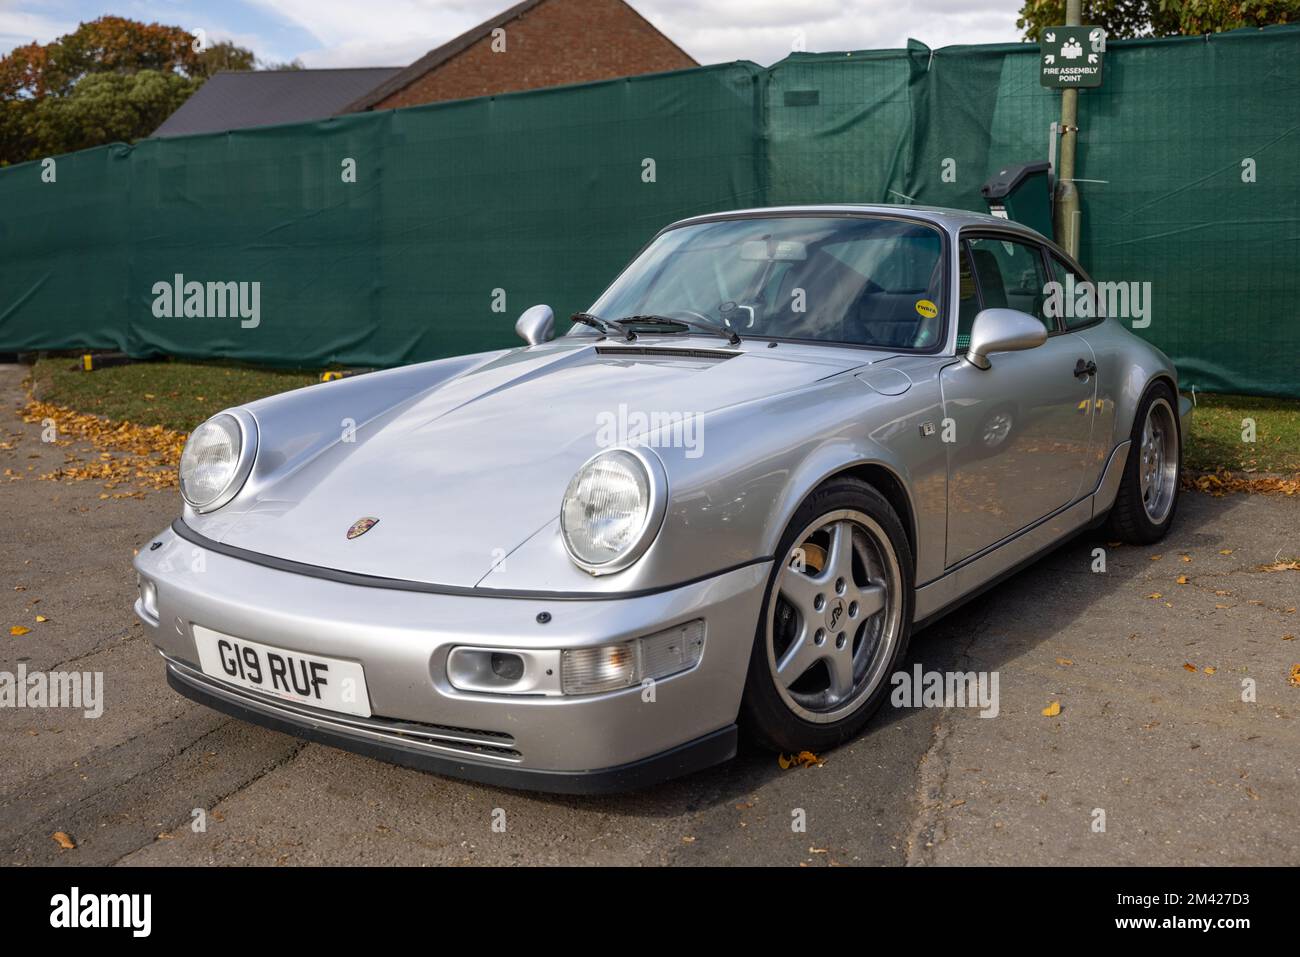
(730, 504)
(915, 463)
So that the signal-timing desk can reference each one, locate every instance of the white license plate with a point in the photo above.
(328, 683)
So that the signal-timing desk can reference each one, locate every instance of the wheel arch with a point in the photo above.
(1132, 404)
(1168, 379)
(881, 476)
(888, 484)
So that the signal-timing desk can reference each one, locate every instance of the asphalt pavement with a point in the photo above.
(1158, 754)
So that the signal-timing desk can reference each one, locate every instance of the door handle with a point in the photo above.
(1084, 369)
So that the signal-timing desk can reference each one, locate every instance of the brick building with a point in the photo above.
(533, 44)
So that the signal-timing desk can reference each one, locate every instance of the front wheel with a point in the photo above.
(1148, 493)
(836, 618)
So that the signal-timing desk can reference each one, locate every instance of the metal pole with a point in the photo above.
(1067, 194)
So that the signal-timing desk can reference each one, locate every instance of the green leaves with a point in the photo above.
(110, 79)
(109, 107)
(1145, 18)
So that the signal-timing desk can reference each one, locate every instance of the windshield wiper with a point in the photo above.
(603, 325)
(727, 333)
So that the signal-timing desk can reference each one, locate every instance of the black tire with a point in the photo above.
(765, 715)
(1129, 520)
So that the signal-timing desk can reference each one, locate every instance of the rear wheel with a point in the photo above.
(1148, 494)
(836, 618)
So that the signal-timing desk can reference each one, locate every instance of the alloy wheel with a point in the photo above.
(1158, 463)
(834, 617)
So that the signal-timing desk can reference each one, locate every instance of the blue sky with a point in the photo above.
(394, 32)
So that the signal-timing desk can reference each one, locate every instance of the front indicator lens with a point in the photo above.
(590, 670)
(611, 667)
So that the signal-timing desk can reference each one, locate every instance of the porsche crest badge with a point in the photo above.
(361, 526)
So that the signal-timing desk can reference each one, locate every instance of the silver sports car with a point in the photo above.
(724, 497)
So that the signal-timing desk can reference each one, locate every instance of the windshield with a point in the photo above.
(861, 280)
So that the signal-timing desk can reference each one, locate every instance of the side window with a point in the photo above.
(968, 303)
(1070, 282)
(1010, 276)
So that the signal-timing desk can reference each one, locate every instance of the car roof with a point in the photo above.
(949, 219)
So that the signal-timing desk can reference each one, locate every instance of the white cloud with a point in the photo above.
(765, 30)
(18, 27)
(382, 33)
(395, 32)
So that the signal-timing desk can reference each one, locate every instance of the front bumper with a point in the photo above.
(589, 743)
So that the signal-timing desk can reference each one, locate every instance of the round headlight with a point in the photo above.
(612, 510)
(216, 460)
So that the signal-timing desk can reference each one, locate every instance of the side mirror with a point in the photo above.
(1002, 330)
(536, 324)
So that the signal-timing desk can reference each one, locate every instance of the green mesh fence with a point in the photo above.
(463, 214)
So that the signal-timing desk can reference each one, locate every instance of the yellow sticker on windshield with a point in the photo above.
(926, 308)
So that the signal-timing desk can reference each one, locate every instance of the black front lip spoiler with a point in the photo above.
(400, 584)
(713, 748)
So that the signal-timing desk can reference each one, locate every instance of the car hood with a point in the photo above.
(465, 471)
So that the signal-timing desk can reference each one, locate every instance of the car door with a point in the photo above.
(1108, 350)
(1018, 433)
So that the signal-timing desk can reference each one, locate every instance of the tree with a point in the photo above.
(1147, 18)
(110, 79)
(109, 108)
(1213, 16)
(217, 57)
(116, 45)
